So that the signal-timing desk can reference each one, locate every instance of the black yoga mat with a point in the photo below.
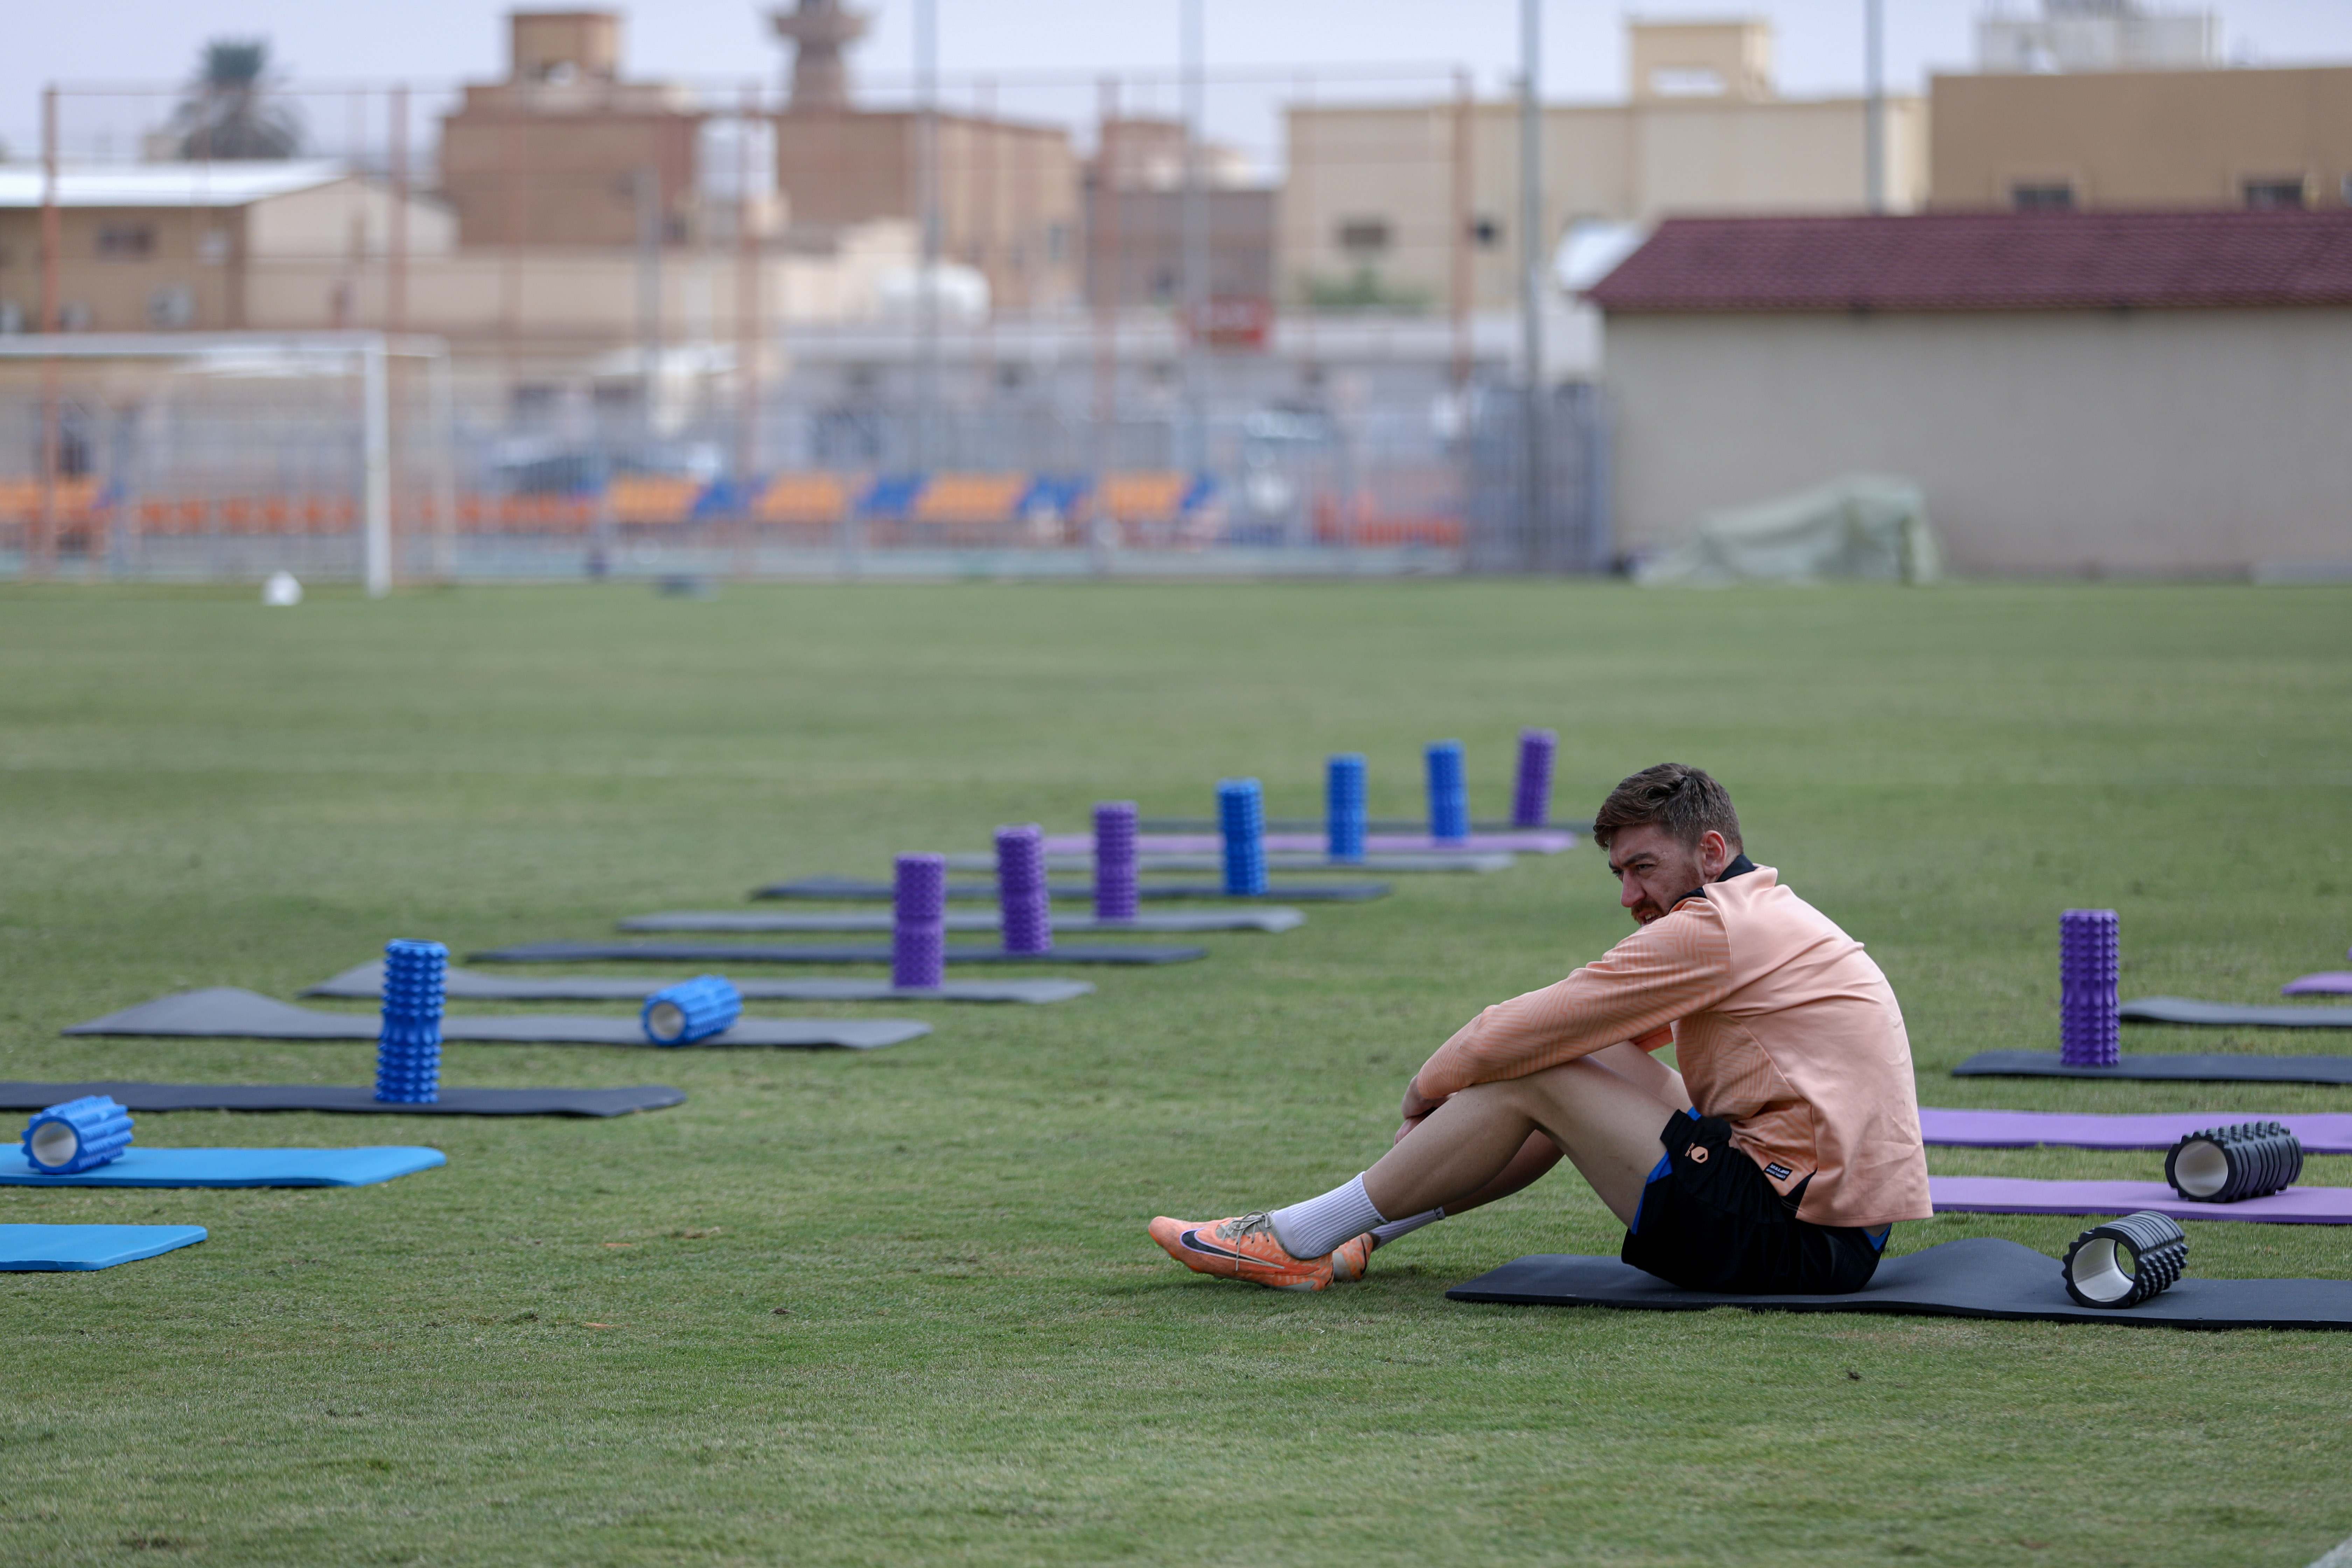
(742, 953)
(1373, 824)
(2232, 1014)
(225, 1012)
(2188, 1067)
(347, 1098)
(364, 982)
(1983, 1277)
(858, 889)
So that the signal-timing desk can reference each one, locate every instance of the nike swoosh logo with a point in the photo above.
(1192, 1242)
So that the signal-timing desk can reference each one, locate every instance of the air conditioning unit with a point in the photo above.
(172, 305)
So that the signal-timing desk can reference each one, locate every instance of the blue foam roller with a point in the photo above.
(1241, 820)
(1449, 792)
(77, 1135)
(409, 1040)
(1343, 806)
(691, 1010)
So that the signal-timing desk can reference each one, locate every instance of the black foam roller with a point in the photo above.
(2096, 1271)
(2231, 1164)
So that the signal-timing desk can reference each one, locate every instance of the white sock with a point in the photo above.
(1314, 1227)
(1384, 1234)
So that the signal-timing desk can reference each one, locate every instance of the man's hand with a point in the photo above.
(1416, 1106)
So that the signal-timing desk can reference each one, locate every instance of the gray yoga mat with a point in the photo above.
(1983, 1277)
(719, 952)
(225, 1012)
(860, 890)
(365, 982)
(1171, 923)
(1408, 862)
(2320, 1133)
(345, 1098)
(2186, 1068)
(2232, 1014)
(2027, 1194)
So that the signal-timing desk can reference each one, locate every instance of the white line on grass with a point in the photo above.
(2339, 1558)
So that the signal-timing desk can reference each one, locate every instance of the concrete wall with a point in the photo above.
(2158, 443)
(2142, 139)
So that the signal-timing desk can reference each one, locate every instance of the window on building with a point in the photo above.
(2271, 194)
(2041, 197)
(1364, 236)
(1486, 232)
(1687, 81)
(125, 241)
(211, 245)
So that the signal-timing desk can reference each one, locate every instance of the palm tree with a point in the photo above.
(229, 113)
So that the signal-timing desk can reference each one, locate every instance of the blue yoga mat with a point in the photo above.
(139, 1167)
(25, 1249)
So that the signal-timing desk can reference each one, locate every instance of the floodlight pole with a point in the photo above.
(1874, 107)
(1195, 219)
(36, 551)
(927, 213)
(1532, 260)
(376, 468)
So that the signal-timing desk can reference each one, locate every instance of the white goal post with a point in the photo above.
(365, 354)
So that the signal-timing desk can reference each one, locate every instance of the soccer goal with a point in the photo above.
(209, 455)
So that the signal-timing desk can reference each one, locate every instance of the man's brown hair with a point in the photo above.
(1682, 800)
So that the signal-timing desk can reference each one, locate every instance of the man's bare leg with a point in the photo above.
(1538, 1155)
(1604, 1120)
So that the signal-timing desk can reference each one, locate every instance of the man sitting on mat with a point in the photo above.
(1775, 1161)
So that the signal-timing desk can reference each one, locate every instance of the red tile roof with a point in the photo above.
(1988, 261)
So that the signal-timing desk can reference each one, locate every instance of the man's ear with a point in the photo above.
(1714, 852)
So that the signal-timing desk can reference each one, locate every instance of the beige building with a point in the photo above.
(169, 246)
(2143, 138)
(2158, 394)
(555, 155)
(1393, 192)
(304, 247)
(1007, 191)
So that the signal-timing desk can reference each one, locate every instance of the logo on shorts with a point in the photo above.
(1696, 1154)
(1778, 1171)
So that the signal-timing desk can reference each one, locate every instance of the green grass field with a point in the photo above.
(899, 1307)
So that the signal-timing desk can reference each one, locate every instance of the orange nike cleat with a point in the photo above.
(1244, 1248)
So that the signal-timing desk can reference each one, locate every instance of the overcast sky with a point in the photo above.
(440, 42)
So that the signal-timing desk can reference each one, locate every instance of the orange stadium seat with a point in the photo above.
(971, 498)
(808, 498)
(1145, 497)
(654, 499)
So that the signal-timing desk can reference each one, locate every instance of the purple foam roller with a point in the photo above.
(1531, 800)
(919, 927)
(2090, 1033)
(1023, 910)
(919, 956)
(920, 890)
(1028, 925)
(1115, 894)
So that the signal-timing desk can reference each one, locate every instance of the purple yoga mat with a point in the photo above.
(2322, 1132)
(2329, 983)
(2020, 1195)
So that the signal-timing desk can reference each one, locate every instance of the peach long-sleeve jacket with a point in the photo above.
(1782, 1025)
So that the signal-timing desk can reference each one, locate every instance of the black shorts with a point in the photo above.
(1710, 1220)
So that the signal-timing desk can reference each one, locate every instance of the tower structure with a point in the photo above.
(819, 31)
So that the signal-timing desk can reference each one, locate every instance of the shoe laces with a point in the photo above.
(1258, 1224)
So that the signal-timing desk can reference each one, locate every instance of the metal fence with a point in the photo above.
(231, 460)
